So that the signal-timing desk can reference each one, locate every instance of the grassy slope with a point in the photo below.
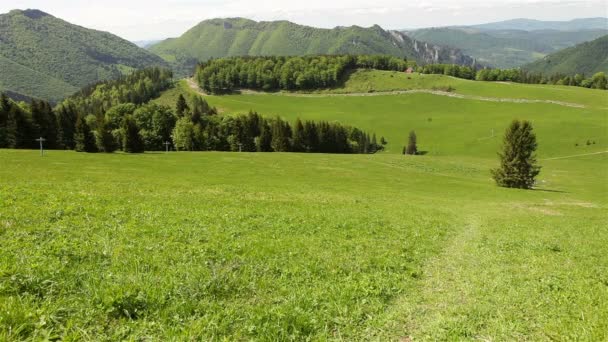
(294, 246)
(59, 50)
(586, 58)
(457, 126)
(280, 246)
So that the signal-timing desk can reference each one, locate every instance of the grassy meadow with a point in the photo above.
(287, 246)
(445, 125)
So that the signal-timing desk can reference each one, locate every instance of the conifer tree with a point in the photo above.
(281, 133)
(263, 143)
(4, 111)
(44, 122)
(298, 137)
(103, 138)
(412, 147)
(132, 142)
(181, 107)
(518, 168)
(83, 137)
(66, 122)
(374, 144)
(13, 127)
(311, 137)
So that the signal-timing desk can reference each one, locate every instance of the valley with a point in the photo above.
(269, 181)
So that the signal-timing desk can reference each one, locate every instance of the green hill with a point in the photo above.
(48, 58)
(240, 37)
(586, 58)
(506, 48)
(532, 25)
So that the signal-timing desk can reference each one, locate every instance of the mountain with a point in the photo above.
(146, 43)
(534, 25)
(243, 37)
(45, 57)
(505, 48)
(586, 58)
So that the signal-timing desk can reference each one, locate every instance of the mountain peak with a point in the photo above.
(31, 13)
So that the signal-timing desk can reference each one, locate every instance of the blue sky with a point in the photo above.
(151, 19)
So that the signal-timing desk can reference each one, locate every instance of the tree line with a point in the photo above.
(138, 87)
(254, 133)
(286, 73)
(191, 126)
(597, 81)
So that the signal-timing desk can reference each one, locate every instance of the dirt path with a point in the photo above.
(195, 87)
(577, 155)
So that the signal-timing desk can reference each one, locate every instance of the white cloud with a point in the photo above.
(149, 19)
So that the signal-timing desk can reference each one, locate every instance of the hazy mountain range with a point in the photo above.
(513, 43)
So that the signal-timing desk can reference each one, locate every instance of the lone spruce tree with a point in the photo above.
(518, 167)
(412, 147)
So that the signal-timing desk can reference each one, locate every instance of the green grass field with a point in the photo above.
(274, 246)
(445, 125)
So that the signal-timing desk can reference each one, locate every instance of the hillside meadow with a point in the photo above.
(288, 246)
(291, 246)
(445, 125)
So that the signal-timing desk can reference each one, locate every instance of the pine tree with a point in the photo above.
(83, 137)
(103, 138)
(4, 111)
(281, 133)
(181, 107)
(518, 167)
(374, 144)
(311, 137)
(132, 142)
(263, 143)
(298, 137)
(383, 141)
(66, 121)
(412, 147)
(44, 122)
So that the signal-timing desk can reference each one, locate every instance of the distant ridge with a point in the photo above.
(516, 42)
(44, 57)
(598, 23)
(243, 37)
(585, 59)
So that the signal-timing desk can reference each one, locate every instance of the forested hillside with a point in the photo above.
(586, 58)
(242, 37)
(506, 48)
(287, 73)
(45, 57)
(115, 115)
